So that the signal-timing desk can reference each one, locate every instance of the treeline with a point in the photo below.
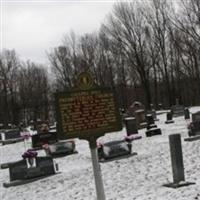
(24, 90)
(145, 50)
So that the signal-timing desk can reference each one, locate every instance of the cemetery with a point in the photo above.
(149, 169)
(100, 100)
(121, 157)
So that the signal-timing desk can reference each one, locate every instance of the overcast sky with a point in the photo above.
(34, 27)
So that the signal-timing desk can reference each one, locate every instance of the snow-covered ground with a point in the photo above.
(138, 177)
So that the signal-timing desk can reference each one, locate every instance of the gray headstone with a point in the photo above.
(61, 148)
(114, 149)
(187, 113)
(177, 110)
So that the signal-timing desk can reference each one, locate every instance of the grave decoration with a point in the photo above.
(11, 136)
(169, 118)
(88, 111)
(131, 129)
(194, 127)
(114, 150)
(152, 128)
(60, 149)
(29, 169)
(26, 136)
(137, 110)
(38, 140)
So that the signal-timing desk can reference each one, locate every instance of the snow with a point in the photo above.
(139, 177)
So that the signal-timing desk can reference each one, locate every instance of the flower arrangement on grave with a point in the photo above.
(45, 146)
(30, 156)
(26, 135)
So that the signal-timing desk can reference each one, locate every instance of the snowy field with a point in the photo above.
(138, 177)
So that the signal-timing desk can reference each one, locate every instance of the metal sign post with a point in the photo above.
(97, 171)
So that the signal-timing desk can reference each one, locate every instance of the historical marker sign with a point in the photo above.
(87, 111)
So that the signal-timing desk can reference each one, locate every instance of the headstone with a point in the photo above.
(153, 131)
(177, 162)
(61, 149)
(11, 136)
(194, 127)
(131, 126)
(160, 106)
(169, 118)
(187, 113)
(150, 121)
(131, 129)
(137, 110)
(140, 118)
(177, 110)
(45, 138)
(1, 132)
(20, 173)
(196, 117)
(151, 127)
(114, 149)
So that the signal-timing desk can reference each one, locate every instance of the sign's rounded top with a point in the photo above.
(85, 80)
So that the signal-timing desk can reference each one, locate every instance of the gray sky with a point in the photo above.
(34, 27)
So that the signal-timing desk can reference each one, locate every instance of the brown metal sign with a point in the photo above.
(87, 113)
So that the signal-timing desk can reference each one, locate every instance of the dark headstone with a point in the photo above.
(150, 121)
(169, 118)
(11, 136)
(153, 131)
(19, 170)
(114, 149)
(187, 113)
(39, 140)
(131, 126)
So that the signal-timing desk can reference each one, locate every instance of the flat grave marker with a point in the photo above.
(60, 149)
(114, 150)
(20, 172)
(11, 136)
